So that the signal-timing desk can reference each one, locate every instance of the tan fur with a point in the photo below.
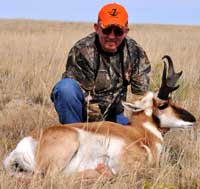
(134, 136)
(57, 144)
(55, 149)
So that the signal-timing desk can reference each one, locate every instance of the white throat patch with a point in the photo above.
(150, 127)
(148, 112)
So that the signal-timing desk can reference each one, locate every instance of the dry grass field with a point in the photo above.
(32, 59)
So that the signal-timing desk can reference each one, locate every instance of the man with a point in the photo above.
(98, 70)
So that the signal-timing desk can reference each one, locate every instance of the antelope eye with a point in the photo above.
(163, 106)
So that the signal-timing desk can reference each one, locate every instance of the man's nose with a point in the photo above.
(112, 34)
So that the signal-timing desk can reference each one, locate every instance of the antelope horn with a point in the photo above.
(168, 79)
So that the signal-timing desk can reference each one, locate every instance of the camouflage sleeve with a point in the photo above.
(140, 78)
(78, 68)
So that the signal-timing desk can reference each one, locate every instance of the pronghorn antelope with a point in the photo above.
(95, 148)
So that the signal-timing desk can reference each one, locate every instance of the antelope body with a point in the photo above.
(96, 147)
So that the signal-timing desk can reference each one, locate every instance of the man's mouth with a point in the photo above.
(110, 41)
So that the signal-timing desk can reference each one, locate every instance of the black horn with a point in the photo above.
(169, 79)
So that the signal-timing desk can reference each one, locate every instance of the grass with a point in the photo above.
(32, 59)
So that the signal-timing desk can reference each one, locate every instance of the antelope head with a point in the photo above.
(160, 107)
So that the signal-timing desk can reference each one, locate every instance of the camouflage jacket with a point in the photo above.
(100, 74)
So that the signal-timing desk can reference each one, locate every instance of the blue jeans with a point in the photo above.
(69, 102)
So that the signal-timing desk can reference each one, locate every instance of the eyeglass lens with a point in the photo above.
(117, 31)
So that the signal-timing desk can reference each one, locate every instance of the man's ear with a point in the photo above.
(96, 27)
(126, 30)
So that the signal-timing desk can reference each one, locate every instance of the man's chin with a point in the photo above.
(111, 49)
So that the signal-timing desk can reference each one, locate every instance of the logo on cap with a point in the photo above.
(114, 12)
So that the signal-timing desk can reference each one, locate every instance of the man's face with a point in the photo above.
(111, 37)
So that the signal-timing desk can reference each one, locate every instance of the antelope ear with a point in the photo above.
(131, 107)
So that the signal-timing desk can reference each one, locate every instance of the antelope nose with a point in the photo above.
(187, 116)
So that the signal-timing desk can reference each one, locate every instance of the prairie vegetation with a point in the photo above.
(32, 59)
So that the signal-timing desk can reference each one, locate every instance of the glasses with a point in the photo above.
(116, 30)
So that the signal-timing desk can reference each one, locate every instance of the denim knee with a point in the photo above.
(68, 101)
(67, 89)
(122, 119)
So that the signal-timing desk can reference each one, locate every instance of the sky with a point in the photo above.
(178, 12)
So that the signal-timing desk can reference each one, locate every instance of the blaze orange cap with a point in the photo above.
(113, 14)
